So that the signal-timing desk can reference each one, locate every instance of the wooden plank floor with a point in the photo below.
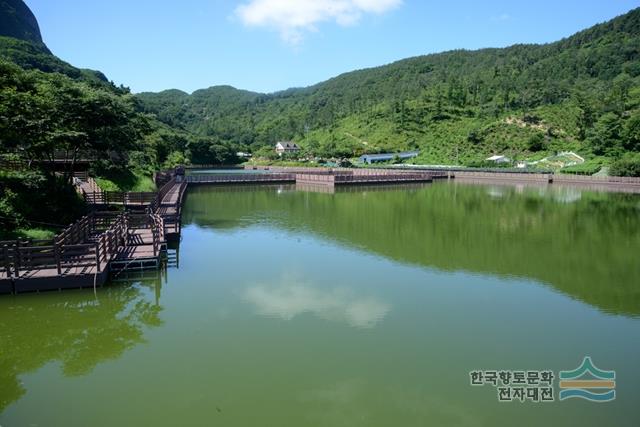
(44, 272)
(128, 253)
(172, 197)
(167, 210)
(139, 245)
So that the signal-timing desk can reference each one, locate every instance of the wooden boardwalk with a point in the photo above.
(168, 205)
(86, 252)
(80, 256)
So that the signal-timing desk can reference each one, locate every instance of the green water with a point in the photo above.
(367, 307)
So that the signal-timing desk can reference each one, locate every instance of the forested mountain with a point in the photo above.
(48, 109)
(581, 93)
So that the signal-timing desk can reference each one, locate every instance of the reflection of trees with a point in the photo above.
(78, 329)
(207, 212)
(587, 248)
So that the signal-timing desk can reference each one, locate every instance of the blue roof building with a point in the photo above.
(385, 157)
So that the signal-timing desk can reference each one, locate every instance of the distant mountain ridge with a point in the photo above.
(457, 106)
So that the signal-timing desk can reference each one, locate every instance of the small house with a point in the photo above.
(286, 147)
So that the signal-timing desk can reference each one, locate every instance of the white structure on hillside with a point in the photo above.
(498, 159)
(286, 147)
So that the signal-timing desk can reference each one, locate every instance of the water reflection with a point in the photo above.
(291, 298)
(582, 243)
(557, 193)
(79, 329)
(357, 402)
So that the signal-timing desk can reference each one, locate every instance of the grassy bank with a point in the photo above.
(133, 181)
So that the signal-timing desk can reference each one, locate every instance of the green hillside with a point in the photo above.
(48, 107)
(581, 93)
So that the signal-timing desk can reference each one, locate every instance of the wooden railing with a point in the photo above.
(171, 221)
(160, 178)
(76, 247)
(171, 224)
(95, 239)
(160, 195)
(152, 222)
(119, 198)
(240, 178)
(157, 231)
(81, 175)
(435, 173)
(77, 232)
(384, 177)
(325, 179)
(17, 259)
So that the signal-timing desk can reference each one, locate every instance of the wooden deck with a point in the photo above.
(168, 206)
(85, 253)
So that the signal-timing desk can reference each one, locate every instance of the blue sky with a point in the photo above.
(269, 45)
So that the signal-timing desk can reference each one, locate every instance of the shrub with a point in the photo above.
(628, 165)
(536, 142)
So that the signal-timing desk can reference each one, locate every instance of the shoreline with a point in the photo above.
(596, 183)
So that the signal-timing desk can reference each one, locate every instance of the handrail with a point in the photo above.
(224, 178)
(95, 239)
(71, 248)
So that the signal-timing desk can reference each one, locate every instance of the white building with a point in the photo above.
(287, 147)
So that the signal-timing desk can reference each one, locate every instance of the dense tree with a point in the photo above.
(585, 116)
(631, 133)
(628, 165)
(605, 137)
(536, 142)
(46, 117)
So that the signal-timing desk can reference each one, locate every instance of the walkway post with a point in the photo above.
(97, 246)
(56, 254)
(16, 265)
(7, 261)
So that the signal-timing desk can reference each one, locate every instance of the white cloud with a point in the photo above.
(288, 300)
(292, 18)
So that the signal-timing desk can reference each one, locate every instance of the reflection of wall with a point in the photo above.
(587, 248)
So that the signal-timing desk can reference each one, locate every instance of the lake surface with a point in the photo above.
(367, 307)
